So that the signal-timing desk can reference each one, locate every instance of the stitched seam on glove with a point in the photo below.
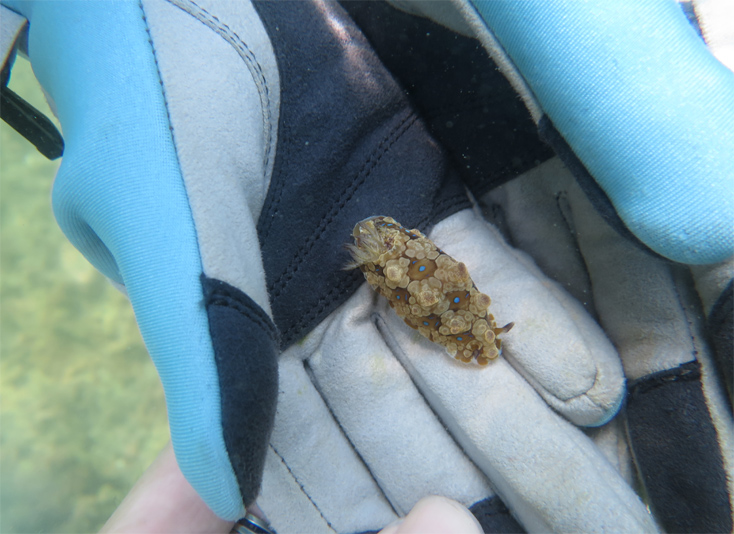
(683, 373)
(282, 460)
(344, 432)
(219, 296)
(158, 75)
(596, 195)
(348, 285)
(374, 159)
(249, 58)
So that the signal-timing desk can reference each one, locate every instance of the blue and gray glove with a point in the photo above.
(217, 157)
(678, 421)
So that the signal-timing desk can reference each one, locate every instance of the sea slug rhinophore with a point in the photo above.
(432, 292)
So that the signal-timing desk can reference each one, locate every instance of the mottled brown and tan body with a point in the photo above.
(427, 288)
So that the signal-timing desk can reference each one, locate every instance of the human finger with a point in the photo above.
(436, 515)
(163, 501)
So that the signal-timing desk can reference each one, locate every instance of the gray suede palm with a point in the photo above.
(677, 418)
(372, 416)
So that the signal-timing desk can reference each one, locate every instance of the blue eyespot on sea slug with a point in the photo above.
(432, 292)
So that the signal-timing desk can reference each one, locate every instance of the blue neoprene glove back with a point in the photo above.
(583, 62)
(120, 199)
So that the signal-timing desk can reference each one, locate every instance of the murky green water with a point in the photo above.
(81, 408)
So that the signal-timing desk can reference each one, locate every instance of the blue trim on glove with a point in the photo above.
(645, 106)
(119, 197)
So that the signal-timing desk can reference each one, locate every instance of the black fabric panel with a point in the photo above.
(27, 120)
(469, 105)
(246, 353)
(349, 147)
(591, 189)
(494, 517)
(674, 444)
(720, 329)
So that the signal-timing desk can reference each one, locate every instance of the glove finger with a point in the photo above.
(524, 448)
(649, 309)
(224, 133)
(533, 215)
(505, 427)
(319, 457)
(617, 126)
(225, 136)
(578, 248)
(636, 296)
(340, 391)
(369, 390)
(645, 305)
(549, 194)
(121, 199)
(554, 344)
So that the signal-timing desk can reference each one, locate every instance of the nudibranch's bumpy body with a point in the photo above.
(429, 290)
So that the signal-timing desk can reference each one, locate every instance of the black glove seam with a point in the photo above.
(347, 285)
(722, 309)
(494, 507)
(228, 302)
(272, 207)
(498, 507)
(446, 207)
(277, 287)
(220, 296)
(686, 372)
(282, 460)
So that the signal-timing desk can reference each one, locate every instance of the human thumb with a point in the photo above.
(436, 515)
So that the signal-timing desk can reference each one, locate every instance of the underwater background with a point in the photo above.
(82, 412)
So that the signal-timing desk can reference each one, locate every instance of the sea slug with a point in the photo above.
(431, 291)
